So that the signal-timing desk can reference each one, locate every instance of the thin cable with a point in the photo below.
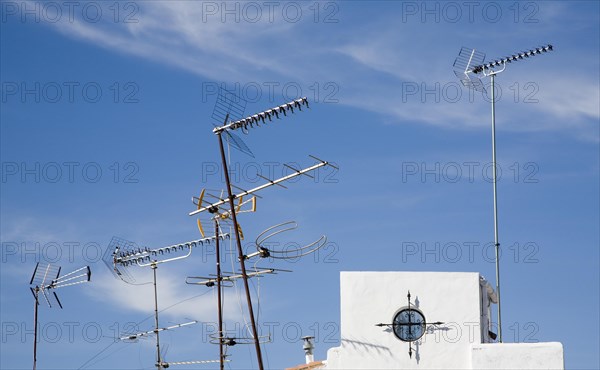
(239, 298)
(238, 293)
(257, 288)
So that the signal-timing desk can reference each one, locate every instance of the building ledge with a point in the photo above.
(309, 366)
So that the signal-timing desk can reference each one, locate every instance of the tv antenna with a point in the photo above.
(123, 254)
(229, 107)
(467, 67)
(46, 279)
(296, 252)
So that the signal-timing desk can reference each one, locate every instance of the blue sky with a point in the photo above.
(106, 130)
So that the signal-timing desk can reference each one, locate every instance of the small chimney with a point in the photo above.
(308, 348)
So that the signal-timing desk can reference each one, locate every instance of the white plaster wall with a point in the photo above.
(368, 298)
(518, 356)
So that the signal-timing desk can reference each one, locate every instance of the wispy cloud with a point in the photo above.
(177, 300)
(377, 69)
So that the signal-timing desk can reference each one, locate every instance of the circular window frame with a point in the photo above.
(423, 325)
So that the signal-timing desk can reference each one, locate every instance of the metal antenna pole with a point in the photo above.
(494, 181)
(35, 326)
(468, 65)
(240, 251)
(220, 308)
(156, 331)
(46, 279)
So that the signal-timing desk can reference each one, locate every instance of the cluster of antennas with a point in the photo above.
(512, 58)
(255, 119)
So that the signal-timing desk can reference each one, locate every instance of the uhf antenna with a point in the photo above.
(46, 279)
(468, 66)
(288, 253)
(228, 101)
(123, 254)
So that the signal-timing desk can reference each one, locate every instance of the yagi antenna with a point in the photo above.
(202, 362)
(210, 282)
(122, 253)
(296, 173)
(45, 280)
(263, 117)
(136, 336)
(468, 67)
(133, 255)
(165, 364)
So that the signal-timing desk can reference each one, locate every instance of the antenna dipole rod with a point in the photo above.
(494, 182)
(240, 251)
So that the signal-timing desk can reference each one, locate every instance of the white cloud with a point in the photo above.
(373, 64)
(176, 300)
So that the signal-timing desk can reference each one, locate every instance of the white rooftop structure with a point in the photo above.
(446, 325)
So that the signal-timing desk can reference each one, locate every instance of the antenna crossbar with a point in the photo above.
(209, 282)
(154, 331)
(201, 362)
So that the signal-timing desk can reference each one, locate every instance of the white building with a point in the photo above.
(446, 325)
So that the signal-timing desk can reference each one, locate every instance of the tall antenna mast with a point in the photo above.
(467, 66)
(47, 279)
